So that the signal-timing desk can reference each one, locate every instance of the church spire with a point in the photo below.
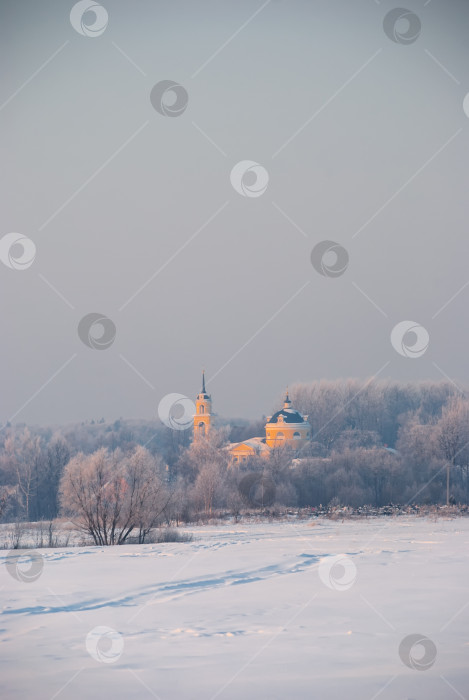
(203, 410)
(287, 403)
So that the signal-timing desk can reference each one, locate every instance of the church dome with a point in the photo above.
(289, 415)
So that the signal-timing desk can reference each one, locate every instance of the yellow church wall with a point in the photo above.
(288, 433)
(243, 452)
(287, 440)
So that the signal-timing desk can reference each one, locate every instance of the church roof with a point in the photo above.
(256, 443)
(289, 416)
(203, 393)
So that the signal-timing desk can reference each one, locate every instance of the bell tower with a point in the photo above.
(203, 408)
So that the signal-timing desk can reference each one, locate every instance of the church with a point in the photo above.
(285, 427)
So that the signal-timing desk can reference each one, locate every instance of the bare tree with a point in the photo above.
(209, 485)
(179, 504)
(111, 496)
(4, 494)
(151, 498)
(24, 454)
(453, 435)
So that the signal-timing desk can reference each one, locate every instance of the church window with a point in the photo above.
(296, 435)
(201, 409)
(280, 436)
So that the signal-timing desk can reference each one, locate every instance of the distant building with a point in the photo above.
(286, 427)
(240, 451)
(203, 413)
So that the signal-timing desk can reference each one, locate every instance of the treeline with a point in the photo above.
(351, 411)
(372, 443)
(32, 460)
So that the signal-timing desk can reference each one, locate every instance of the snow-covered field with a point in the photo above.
(260, 611)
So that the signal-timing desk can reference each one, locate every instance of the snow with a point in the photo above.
(291, 610)
(255, 442)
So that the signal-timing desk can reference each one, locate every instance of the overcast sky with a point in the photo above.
(133, 213)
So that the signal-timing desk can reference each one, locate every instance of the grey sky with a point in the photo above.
(137, 186)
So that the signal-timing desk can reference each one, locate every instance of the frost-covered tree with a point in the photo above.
(453, 436)
(111, 495)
